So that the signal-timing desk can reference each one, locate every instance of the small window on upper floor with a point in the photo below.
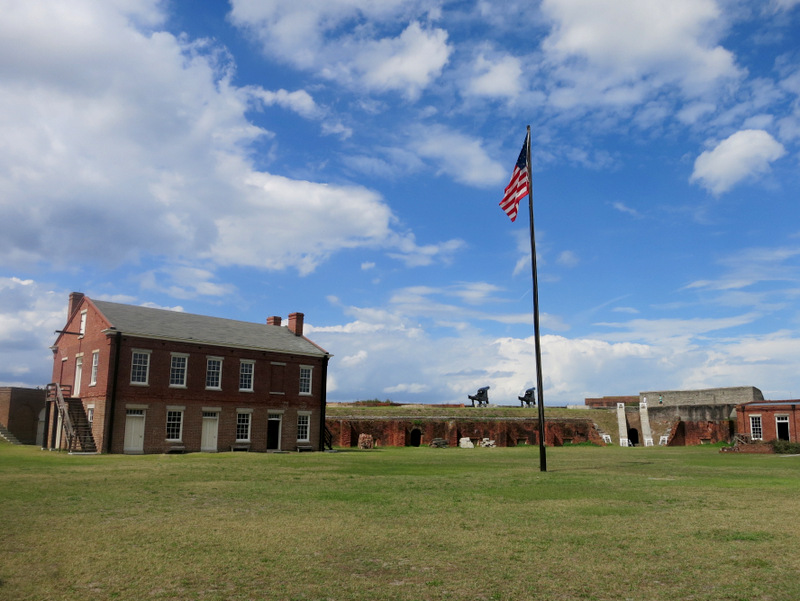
(305, 379)
(246, 369)
(83, 323)
(140, 368)
(177, 370)
(95, 364)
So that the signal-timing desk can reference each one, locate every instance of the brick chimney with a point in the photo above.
(273, 321)
(75, 299)
(296, 323)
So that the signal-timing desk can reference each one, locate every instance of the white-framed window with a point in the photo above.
(177, 370)
(95, 365)
(755, 427)
(83, 322)
(175, 423)
(140, 367)
(246, 371)
(76, 388)
(305, 379)
(213, 373)
(243, 420)
(303, 421)
(90, 414)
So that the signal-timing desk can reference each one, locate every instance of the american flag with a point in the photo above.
(518, 187)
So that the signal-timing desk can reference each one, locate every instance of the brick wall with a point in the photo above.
(610, 402)
(505, 432)
(19, 411)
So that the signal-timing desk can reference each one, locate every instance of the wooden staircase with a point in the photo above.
(76, 425)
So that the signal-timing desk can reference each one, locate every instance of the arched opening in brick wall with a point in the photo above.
(415, 437)
(679, 438)
(633, 436)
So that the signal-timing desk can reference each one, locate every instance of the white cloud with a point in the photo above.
(459, 156)
(354, 360)
(501, 77)
(618, 52)
(31, 312)
(695, 111)
(785, 4)
(567, 258)
(414, 365)
(763, 279)
(623, 208)
(298, 101)
(323, 36)
(671, 331)
(332, 217)
(184, 282)
(142, 135)
(742, 155)
(412, 388)
(408, 63)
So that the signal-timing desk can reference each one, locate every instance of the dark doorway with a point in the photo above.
(633, 436)
(782, 426)
(274, 433)
(415, 438)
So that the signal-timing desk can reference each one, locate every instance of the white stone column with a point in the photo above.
(623, 425)
(645, 419)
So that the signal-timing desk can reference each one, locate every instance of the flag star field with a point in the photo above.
(344, 159)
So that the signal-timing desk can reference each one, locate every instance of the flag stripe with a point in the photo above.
(518, 187)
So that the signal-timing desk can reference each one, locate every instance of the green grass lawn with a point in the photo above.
(401, 523)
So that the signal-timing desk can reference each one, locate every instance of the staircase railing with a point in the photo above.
(55, 393)
(328, 438)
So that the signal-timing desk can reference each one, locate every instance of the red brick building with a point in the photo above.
(769, 420)
(140, 380)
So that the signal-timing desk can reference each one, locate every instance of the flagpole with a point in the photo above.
(537, 344)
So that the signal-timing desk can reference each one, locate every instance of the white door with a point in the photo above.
(76, 392)
(134, 431)
(208, 437)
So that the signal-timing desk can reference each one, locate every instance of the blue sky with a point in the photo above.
(346, 158)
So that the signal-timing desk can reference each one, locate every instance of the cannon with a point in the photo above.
(528, 398)
(481, 397)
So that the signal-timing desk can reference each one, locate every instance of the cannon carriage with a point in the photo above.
(481, 397)
(528, 398)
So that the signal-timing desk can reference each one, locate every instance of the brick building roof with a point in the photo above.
(162, 324)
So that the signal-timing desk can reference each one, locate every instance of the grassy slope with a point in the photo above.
(603, 523)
